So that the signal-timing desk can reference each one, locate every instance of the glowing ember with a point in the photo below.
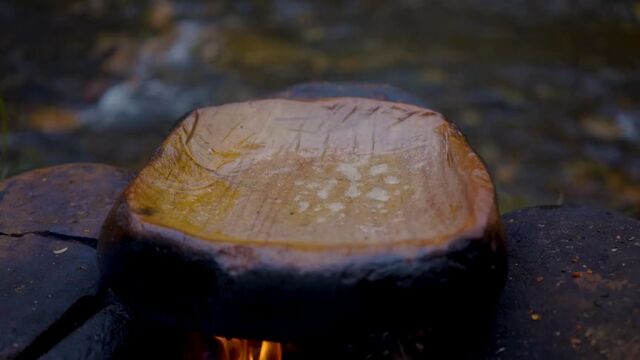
(200, 347)
(238, 349)
(220, 348)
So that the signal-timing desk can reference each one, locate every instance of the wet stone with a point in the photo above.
(573, 290)
(70, 200)
(98, 338)
(41, 278)
(49, 281)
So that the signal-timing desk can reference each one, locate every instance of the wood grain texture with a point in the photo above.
(348, 173)
(340, 205)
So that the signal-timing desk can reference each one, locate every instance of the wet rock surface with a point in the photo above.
(42, 278)
(98, 338)
(67, 201)
(573, 289)
(49, 219)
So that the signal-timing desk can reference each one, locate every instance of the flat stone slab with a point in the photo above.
(99, 338)
(41, 278)
(49, 279)
(71, 200)
(573, 290)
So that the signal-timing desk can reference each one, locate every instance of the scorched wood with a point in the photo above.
(286, 220)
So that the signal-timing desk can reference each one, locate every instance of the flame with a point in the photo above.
(240, 349)
(200, 346)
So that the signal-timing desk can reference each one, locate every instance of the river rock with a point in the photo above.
(573, 290)
(49, 219)
(69, 200)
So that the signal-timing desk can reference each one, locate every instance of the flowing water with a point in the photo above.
(548, 92)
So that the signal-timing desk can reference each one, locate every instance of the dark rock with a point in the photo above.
(42, 278)
(98, 338)
(150, 340)
(573, 290)
(50, 284)
(70, 200)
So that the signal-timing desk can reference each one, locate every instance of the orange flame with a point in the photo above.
(239, 349)
(201, 346)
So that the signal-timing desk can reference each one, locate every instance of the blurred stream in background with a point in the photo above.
(548, 92)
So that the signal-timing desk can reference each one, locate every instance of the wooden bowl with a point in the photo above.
(285, 219)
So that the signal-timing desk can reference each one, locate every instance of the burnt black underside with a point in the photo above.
(167, 281)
